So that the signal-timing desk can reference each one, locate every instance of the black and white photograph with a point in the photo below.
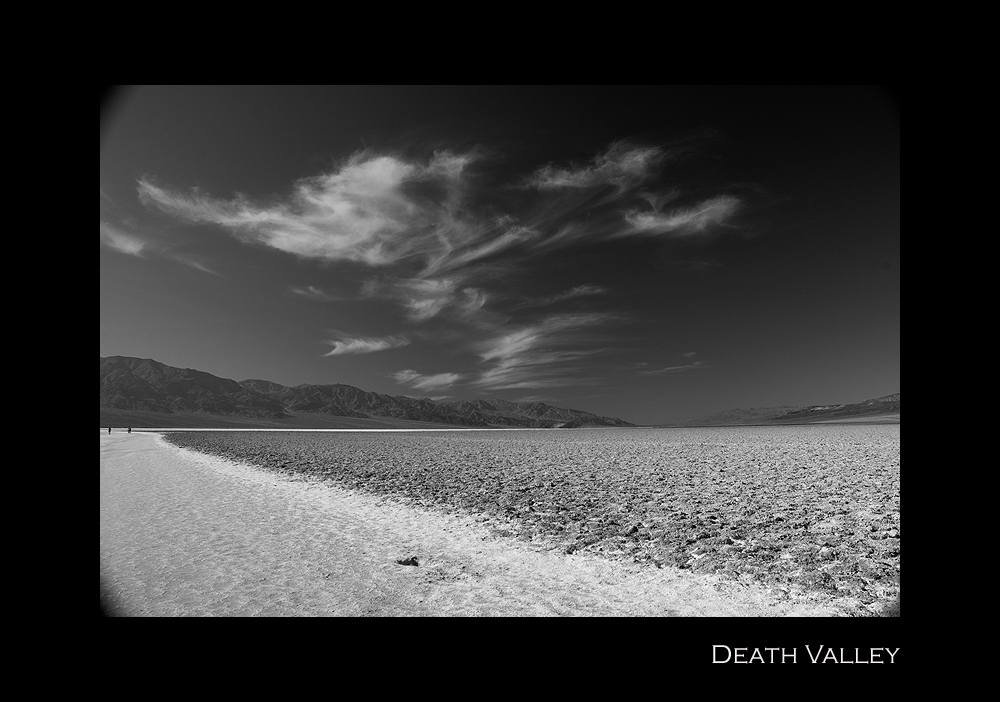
(503, 351)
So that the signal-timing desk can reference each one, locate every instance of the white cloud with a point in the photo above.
(195, 262)
(424, 223)
(673, 369)
(480, 244)
(658, 200)
(364, 212)
(622, 164)
(692, 220)
(577, 291)
(123, 242)
(311, 292)
(381, 210)
(362, 344)
(545, 354)
(425, 298)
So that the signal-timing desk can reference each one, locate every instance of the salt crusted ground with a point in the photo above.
(183, 534)
(796, 508)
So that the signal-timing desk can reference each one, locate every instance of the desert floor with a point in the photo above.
(184, 534)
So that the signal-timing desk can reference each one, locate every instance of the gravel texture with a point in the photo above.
(799, 509)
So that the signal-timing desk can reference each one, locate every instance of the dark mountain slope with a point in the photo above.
(141, 384)
(135, 385)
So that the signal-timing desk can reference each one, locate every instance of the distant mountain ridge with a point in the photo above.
(146, 386)
(875, 407)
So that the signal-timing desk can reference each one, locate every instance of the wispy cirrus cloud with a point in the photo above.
(127, 242)
(574, 208)
(577, 291)
(547, 353)
(311, 292)
(623, 165)
(384, 210)
(344, 344)
(444, 249)
(427, 382)
(196, 262)
(673, 369)
(377, 210)
(122, 241)
(686, 221)
(425, 298)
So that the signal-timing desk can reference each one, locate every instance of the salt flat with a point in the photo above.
(183, 534)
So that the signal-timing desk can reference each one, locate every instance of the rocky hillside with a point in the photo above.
(144, 385)
(149, 386)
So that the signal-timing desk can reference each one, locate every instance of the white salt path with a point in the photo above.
(183, 534)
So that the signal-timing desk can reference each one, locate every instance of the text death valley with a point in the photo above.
(813, 654)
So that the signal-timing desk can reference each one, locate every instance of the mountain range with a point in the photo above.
(142, 392)
(885, 408)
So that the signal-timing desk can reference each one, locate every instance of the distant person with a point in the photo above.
(130, 430)
(109, 430)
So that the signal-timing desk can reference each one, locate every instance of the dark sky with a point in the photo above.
(650, 253)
